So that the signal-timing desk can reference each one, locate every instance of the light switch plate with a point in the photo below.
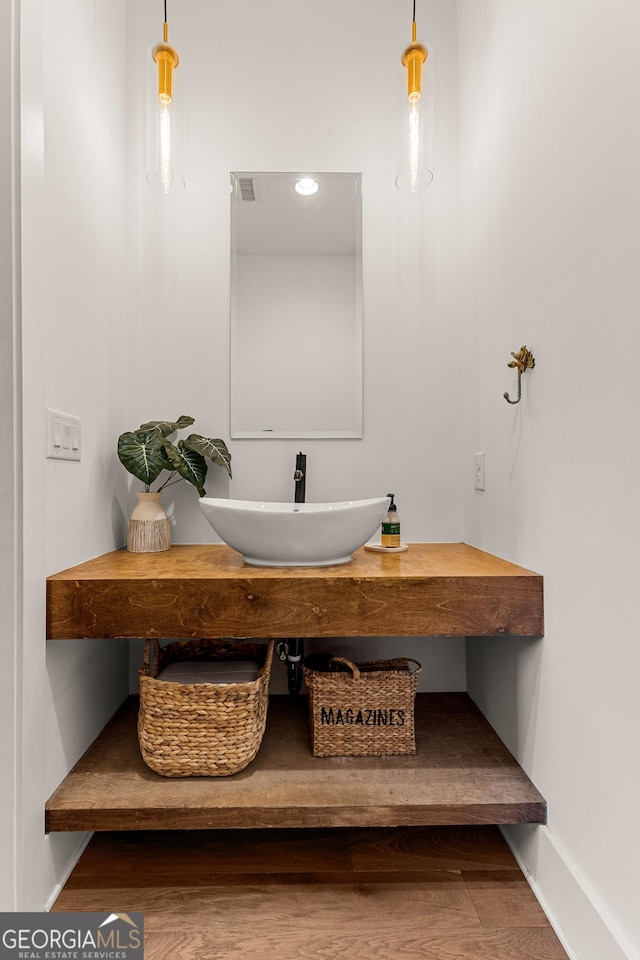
(63, 436)
(478, 470)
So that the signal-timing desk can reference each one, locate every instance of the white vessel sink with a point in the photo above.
(295, 534)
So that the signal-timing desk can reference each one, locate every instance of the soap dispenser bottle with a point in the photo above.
(390, 536)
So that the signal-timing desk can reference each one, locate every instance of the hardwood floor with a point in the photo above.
(422, 893)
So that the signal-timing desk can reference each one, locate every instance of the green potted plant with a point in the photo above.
(146, 453)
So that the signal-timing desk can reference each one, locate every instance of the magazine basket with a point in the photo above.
(202, 729)
(363, 710)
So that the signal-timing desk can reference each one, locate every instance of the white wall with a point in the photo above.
(315, 87)
(9, 481)
(550, 234)
(74, 322)
(339, 116)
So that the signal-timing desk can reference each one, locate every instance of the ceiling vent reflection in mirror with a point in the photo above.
(247, 189)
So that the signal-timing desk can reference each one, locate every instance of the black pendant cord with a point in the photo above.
(414, 10)
(165, 10)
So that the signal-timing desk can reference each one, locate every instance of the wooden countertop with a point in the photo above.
(206, 590)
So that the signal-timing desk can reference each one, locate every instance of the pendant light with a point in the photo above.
(415, 173)
(164, 133)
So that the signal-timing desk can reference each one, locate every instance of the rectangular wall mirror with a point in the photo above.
(296, 305)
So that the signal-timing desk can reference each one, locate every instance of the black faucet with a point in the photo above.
(300, 477)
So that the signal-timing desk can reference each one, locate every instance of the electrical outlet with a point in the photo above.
(478, 470)
(63, 436)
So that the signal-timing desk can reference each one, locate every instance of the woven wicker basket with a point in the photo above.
(201, 729)
(363, 710)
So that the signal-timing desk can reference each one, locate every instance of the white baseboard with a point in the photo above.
(73, 859)
(579, 923)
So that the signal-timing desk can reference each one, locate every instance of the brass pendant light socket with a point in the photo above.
(412, 58)
(167, 60)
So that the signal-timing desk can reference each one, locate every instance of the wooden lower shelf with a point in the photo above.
(461, 774)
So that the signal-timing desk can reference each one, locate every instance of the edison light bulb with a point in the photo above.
(164, 144)
(414, 159)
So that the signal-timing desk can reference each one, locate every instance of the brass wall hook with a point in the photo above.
(523, 360)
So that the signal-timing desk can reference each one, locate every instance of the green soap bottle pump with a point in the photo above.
(390, 536)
